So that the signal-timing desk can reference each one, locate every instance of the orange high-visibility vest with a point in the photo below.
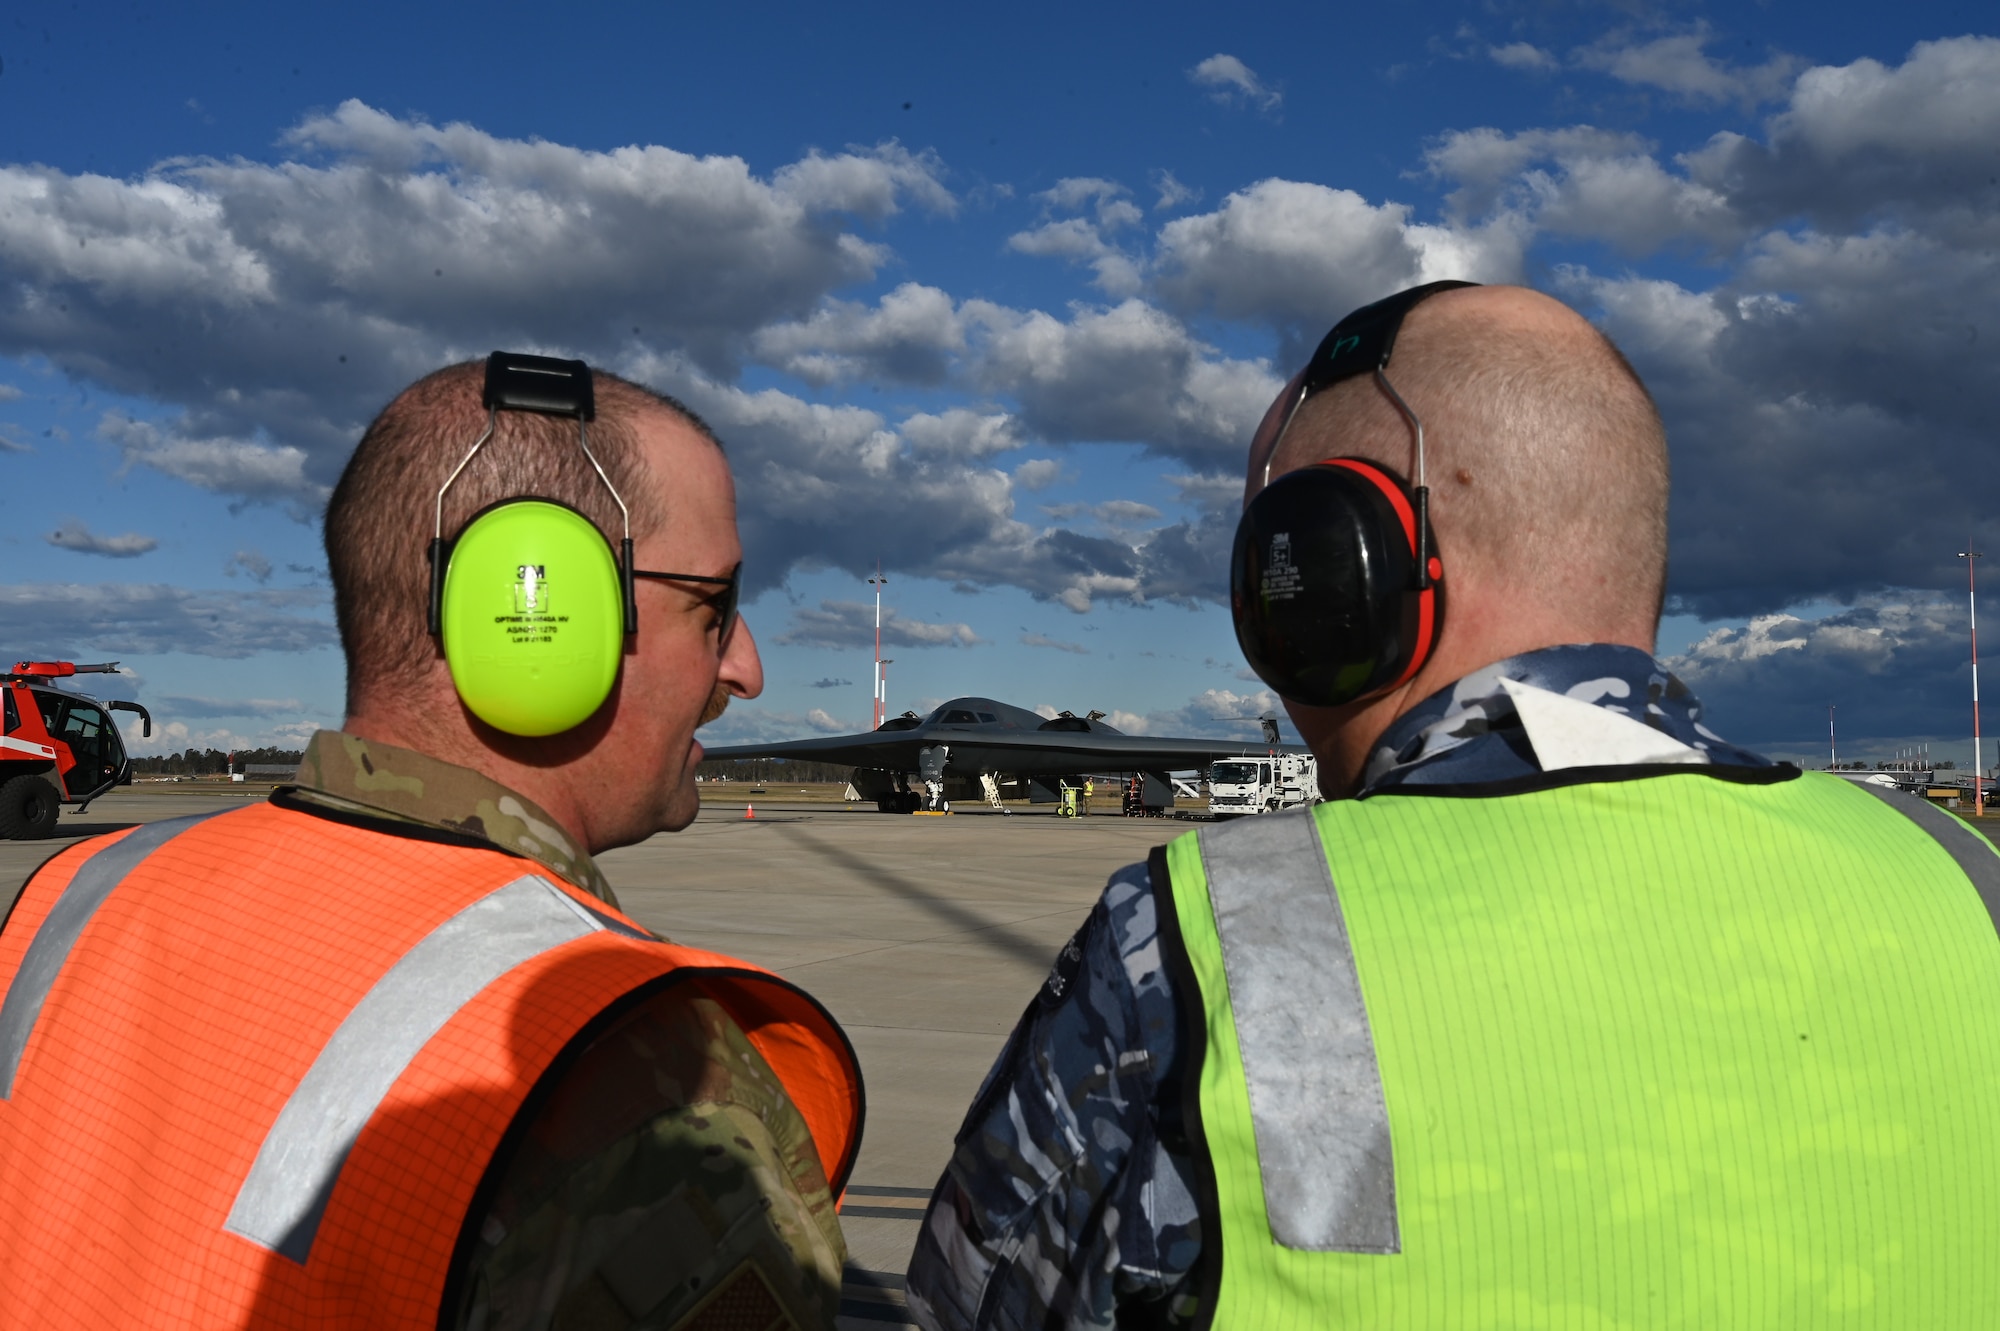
(254, 1065)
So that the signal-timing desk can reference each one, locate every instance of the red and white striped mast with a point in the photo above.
(880, 692)
(1971, 558)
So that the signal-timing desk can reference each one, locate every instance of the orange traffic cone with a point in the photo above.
(749, 811)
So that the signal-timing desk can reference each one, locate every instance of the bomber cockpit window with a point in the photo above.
(958, 716)
(989, 718)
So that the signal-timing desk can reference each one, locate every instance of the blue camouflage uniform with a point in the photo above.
(1067, 1201)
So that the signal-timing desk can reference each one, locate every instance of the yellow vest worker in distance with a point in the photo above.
(1562, 1011)
(384, 1051)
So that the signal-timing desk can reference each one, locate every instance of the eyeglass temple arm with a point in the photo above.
(681, 577)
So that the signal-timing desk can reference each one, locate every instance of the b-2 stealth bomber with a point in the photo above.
(978, 745)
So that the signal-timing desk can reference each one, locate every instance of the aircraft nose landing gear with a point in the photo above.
(930, 770)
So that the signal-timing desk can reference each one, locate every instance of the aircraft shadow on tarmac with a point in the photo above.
(1001, 937)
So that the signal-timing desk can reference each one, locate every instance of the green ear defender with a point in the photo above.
(532, 606)
(532, 625)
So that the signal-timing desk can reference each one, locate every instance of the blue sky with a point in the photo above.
(994, 298)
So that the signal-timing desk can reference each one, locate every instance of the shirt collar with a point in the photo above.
(1582, 705)
(343, 771)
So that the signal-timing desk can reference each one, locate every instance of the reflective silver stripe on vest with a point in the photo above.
(1972, 852)
(286, 1192)
(1315, 1089)
(92, 884)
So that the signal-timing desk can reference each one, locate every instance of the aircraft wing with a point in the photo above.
(1128, 753)
(897, 750)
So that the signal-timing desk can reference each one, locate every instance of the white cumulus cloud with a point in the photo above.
(1231, 82)
(848, 624)
(271, 307)
(74, 535)
(1525, 57)
(1680, 64)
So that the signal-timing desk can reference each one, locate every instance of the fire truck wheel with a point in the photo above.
(28, 807)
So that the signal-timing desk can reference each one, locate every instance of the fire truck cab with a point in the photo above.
(56, 747)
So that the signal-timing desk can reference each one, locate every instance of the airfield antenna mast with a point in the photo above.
(1832, 749)
(1971, 558)
(881, 678)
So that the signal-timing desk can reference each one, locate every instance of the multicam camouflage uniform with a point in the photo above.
(667, 1180)
(1067, 1201)
(344, 773)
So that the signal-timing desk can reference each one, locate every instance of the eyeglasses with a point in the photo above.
(724, 601)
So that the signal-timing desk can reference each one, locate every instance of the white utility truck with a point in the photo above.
(1237, 786)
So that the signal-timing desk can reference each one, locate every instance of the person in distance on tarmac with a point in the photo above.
(385, 1051)
(1562, 1011)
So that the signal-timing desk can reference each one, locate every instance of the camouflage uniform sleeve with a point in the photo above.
(1066, 1203)
(668, 1181)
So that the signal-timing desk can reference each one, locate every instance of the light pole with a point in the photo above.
(1971, 558)
(881, 679)
(882, 669)
(1832, 749)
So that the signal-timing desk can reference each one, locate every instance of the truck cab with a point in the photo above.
(1238, 786)
(56, 746)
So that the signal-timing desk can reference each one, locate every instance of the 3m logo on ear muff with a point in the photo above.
(1280, 580)
(531, 589)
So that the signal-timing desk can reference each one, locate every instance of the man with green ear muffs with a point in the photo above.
(399, 1057)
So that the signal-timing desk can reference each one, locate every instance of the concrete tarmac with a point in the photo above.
(925, 936)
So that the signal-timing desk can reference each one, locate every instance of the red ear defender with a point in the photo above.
(1324, 584)
(1334, 583)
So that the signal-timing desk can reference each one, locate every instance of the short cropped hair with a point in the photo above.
(380, 518)
(1548, 459)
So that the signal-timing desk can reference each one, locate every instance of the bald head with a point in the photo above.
(379, 520)
(1547, 467)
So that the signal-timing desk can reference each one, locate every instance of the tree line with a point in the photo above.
(214, 762)
(209, 762)
(775, 769)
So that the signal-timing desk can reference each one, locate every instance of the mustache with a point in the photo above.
(718, 703)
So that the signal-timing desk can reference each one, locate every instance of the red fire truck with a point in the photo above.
(56, 747)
